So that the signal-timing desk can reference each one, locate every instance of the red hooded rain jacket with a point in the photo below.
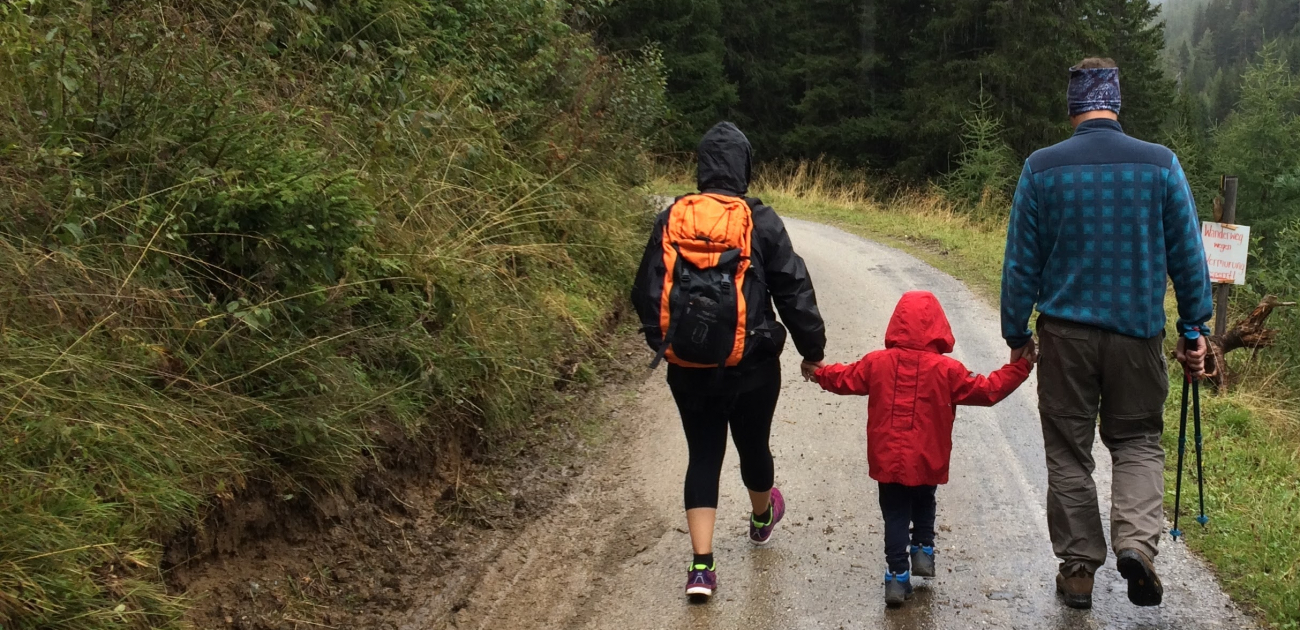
(914, 392)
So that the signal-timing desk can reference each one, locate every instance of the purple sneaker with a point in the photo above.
(762, 534)
(701, 581)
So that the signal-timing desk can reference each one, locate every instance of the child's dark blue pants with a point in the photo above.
(909, 517)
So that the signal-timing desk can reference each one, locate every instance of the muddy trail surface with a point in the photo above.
(613, 554)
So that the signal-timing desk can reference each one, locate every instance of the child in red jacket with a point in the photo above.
(914, 392)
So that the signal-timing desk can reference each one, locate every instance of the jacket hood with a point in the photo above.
(919, 323)
(725, 158)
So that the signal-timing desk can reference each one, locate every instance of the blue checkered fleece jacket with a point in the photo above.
(1098, 222)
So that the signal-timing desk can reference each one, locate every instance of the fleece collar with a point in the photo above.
(1098, 125)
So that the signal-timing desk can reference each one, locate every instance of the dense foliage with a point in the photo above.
(888, 83)
(251, 244)
(1211, 43)
(1238, 113)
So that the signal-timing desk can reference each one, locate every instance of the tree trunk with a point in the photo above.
(1247, 333)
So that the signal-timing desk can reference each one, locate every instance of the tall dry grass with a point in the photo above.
(267, 246)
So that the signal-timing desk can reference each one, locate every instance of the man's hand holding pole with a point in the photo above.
(1191, 353)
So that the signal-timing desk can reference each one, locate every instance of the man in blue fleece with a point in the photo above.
(1098, 223)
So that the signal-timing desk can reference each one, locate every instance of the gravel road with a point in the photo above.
(614, 556)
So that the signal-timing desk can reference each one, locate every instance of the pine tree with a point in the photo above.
(1183, 21)
(759, 38)
(689, 34)
(844, 110)
(1017, 50)
(1186, 134)
(888, 83)
(1257, 141)
(1203, 64)
(1225, 37)
(1127, 31)
(986, 171)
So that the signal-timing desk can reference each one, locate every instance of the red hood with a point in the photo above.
(919, 323)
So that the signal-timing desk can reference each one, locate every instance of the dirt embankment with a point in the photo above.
(431, 519)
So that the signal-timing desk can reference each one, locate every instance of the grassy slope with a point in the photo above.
(264, 247)
(1252, 466)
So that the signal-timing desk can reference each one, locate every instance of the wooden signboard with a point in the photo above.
(1226, 247)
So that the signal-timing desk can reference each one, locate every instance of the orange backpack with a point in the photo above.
(702, 308)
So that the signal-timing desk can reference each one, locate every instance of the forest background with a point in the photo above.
(283, 251)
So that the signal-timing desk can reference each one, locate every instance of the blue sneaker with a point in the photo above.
(923, 561)
(761, 534)
(701, 582)
(898, 588)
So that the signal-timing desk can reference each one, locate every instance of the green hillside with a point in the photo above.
(245, 247)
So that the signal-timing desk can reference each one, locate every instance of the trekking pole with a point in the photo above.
(1200, 472)
(1182, 447)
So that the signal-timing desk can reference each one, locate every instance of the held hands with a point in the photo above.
(809, 369)
(1191, 353)
(1028, 352)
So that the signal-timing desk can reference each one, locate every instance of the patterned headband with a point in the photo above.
(1093, 89)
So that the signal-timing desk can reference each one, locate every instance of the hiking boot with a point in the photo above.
(701, 582)
(923, 561)
(1075, 588)
(1144, 588)
(760, 534)
(898, 588)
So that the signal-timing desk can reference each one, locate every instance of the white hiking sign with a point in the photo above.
(1225, 250)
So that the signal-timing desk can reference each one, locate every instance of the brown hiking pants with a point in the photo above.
(1084, 371)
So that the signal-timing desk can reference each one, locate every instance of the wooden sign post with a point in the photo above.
(1228, 188)
(1226, 248)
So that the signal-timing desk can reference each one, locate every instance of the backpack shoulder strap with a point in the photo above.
(677, 314)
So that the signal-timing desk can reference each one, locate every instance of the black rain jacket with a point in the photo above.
(777, 280)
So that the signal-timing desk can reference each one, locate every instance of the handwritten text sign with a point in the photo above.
(1225, 251)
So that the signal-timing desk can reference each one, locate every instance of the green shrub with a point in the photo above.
(986, 170)
(256, 243)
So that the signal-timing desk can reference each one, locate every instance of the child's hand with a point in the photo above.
(1031, 355)
(1028, 352)
(809, 369)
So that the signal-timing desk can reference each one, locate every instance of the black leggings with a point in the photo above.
(705, 417)
(903, 506)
